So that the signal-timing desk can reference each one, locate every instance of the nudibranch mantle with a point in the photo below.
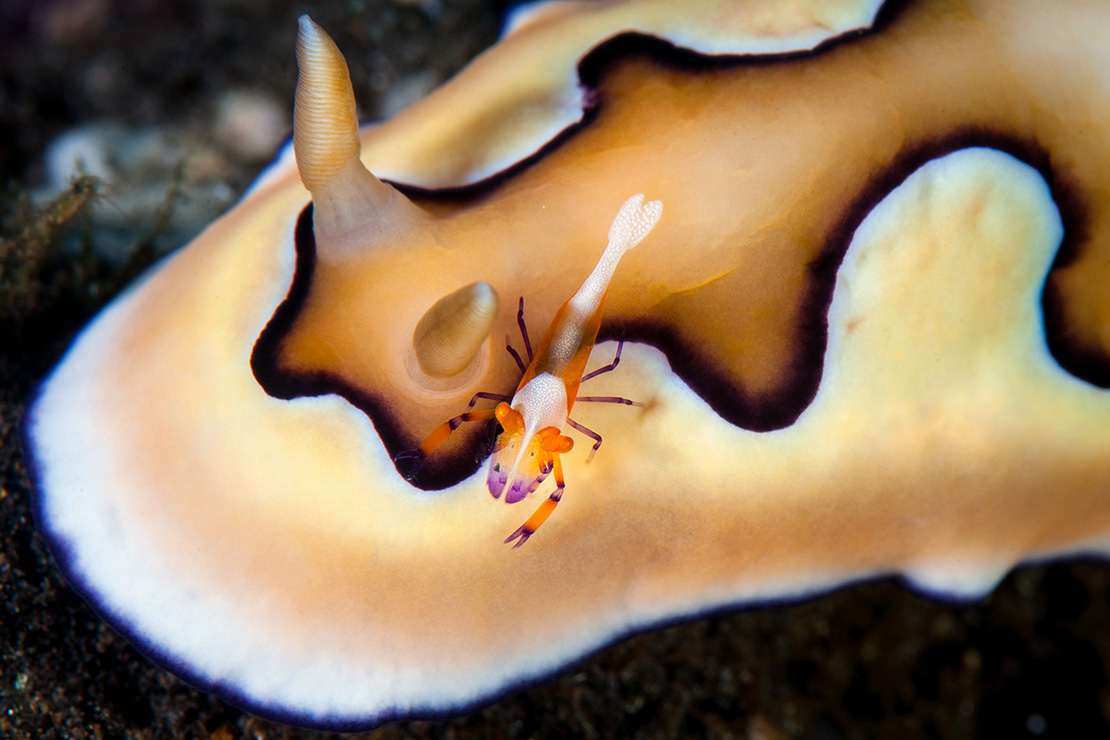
(524, 91)
(267, 549)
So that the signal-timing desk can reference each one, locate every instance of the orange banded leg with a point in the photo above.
(539, 516)
(438, 436)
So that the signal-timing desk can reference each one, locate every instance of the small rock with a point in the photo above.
(251, 123)
(145, 174)
(80, 150)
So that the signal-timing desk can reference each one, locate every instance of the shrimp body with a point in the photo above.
(532, 422)
(531, 441)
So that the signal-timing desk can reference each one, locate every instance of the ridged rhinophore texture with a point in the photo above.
(325, 127)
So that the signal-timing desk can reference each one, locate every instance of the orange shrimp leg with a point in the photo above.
(608, 368)
(440, 434)
(539, 516)
(589, 433)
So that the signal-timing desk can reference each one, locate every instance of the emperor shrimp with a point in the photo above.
(529, 446)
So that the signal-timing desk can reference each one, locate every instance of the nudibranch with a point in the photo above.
(872, 337)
